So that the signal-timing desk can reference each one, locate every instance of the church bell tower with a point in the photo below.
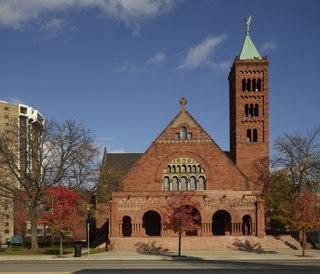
(248, 106)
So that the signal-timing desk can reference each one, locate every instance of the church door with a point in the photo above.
(221, 223)
(126, 226)
(152, 223)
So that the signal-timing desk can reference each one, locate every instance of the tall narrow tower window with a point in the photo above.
(259, 85)
(249, 85)
(244, 88)
(251, 114)
(256, 110)
(246, 110)
(254, 85)
(183, 133)
(255, 135)
(248, 135)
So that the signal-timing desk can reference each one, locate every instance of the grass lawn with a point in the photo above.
(52, 250)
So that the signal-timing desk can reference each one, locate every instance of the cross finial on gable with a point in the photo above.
(183, 102)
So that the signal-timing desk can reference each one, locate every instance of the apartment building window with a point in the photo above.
(6, 117)
(6, 108)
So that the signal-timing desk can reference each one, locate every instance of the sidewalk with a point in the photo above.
(227, 255)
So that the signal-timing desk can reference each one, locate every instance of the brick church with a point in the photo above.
(226, 186)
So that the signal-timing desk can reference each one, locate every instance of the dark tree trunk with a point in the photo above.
(179, 244)
(34, 238)
(303, 243)
(61, 247)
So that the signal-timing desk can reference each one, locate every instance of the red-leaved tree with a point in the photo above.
(303, 214)
(62, 213)
(181, 216)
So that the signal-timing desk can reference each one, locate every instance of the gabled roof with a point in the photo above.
(183, 118)
(248, 51)
(122, 160)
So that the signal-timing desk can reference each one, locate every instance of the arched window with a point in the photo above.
(248, 135)
(256, 110)
(175, 184)
(177, 179)
(184, 184)
(183, 133)
(201, 183)
(193, 183)
(244, 88)
(255, 135)
(166, 184)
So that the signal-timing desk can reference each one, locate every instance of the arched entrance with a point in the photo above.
(126, 226)
(152, 223)
(221, 223)
(198, 222)
(246, 225)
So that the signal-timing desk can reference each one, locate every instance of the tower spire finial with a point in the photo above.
(248, 22)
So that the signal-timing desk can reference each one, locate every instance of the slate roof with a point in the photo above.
(123, 160)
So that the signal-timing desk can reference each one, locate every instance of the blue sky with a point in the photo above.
(121, 66)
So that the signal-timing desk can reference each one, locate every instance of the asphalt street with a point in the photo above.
(157, 267)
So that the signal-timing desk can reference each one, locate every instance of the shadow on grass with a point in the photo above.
(250, 248)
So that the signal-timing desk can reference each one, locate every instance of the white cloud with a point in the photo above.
(200, 54)
(17, 13)
(157, 59)
(268, 46)
(53, 28)
(151, 65)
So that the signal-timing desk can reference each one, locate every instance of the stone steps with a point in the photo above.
(166, 244)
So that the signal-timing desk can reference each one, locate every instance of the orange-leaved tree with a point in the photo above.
(62, 212)
(181, 216)
(303, 213)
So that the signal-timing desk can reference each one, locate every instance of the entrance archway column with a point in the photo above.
(260, 218)
(206, 229)
(236, 228)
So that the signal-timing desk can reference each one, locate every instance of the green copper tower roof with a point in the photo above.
(249, 51)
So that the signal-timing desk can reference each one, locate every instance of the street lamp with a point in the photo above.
(88, 229)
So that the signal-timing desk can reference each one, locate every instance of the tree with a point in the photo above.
(61, 214)
(277, 194)
(6, 213)
(34, 158)
(110, 180)
(292, 192)
(303, 214)
(299, 155)
(181, 216)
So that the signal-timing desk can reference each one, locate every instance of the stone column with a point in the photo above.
(260, 218)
